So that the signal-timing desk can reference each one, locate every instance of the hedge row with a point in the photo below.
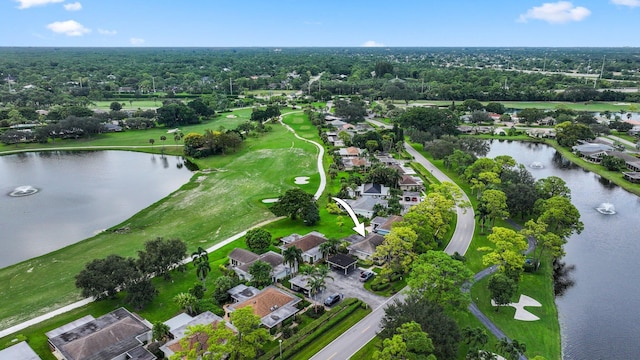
(314, 329)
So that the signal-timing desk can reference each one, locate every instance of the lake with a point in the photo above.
(598, 314)
(78, 195)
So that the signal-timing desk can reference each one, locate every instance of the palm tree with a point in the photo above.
(151, 141)
(163, 139)
(329, 247)
(186, 302)
(293, 257)
(201, 262)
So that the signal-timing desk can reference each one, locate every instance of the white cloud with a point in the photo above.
(629, 3)
(107, 32)
(69, 28)
(556, 13)
(72, 6)
(136, 41)
(25, 4)
(372, 43)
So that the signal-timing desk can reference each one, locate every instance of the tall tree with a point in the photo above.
(292, 203)
(260, 274)
(507, 253)
(200, 259)
(258, 240)
(293, 257)
(251, 337)
(103, 278)
(502, 289)
(496, 202)
(433, 320)
(161, 256)
(438, 277)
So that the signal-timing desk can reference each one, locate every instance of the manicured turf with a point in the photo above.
(211, 207)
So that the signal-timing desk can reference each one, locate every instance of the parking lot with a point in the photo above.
(350, 286)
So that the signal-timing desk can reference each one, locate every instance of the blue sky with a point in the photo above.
(285, 23)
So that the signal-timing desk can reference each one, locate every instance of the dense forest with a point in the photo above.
(41, 78)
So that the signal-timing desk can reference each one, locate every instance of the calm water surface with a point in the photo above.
(80, 194)
(600, 315)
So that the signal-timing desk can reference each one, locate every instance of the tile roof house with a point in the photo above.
(364, 206)
(272, 305)
(309, 244)
(117, 335)
(179, 325)
(410, 183)
(351, 151)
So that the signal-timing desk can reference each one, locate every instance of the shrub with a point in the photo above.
(208, 305)
(316, 311)
(287, 332)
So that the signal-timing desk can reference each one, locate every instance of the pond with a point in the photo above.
(598, 314)
(49, 200)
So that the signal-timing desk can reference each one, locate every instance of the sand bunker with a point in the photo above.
(231, 116)
(269, 201)
(521, 313)
(301, 180)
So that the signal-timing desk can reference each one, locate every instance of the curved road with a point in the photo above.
(364, 331)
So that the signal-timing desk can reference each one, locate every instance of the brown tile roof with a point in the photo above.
(264, 302)
(307, 242)
(352, 150)
(359, 162)
(407, 180)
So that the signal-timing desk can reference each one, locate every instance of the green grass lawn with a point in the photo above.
(541, 338)
(211, 207)
(548, 105)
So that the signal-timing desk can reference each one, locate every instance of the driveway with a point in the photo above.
(350, 286)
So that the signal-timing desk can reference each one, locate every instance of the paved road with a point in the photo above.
(621, 140)
(357, 336)
(465, 226)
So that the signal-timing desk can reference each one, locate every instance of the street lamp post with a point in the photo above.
(280, 341)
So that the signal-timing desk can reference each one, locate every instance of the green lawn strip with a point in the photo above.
(545, 341)
(330, 334)
(366, 352)
(541, 337)
(199, 213)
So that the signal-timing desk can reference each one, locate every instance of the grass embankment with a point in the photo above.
(211, 207)
(542, 337)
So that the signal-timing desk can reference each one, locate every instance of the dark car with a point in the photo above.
(366, 275)
(333, 299)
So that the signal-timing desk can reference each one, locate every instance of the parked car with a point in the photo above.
(333, 299)
(366, 275)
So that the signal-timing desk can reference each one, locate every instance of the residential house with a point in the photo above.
(382, 225)
(309, 244)
(377, 191)
(350, 152)
(179, 325)
(367, 247)
(272, 305)
(350, 163)
(592, 152)
(241, 260)
(410, 183)
(409, 199)
(118, 335)
(364, 206)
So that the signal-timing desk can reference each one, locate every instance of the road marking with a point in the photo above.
(331, 357)
(365, 329)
